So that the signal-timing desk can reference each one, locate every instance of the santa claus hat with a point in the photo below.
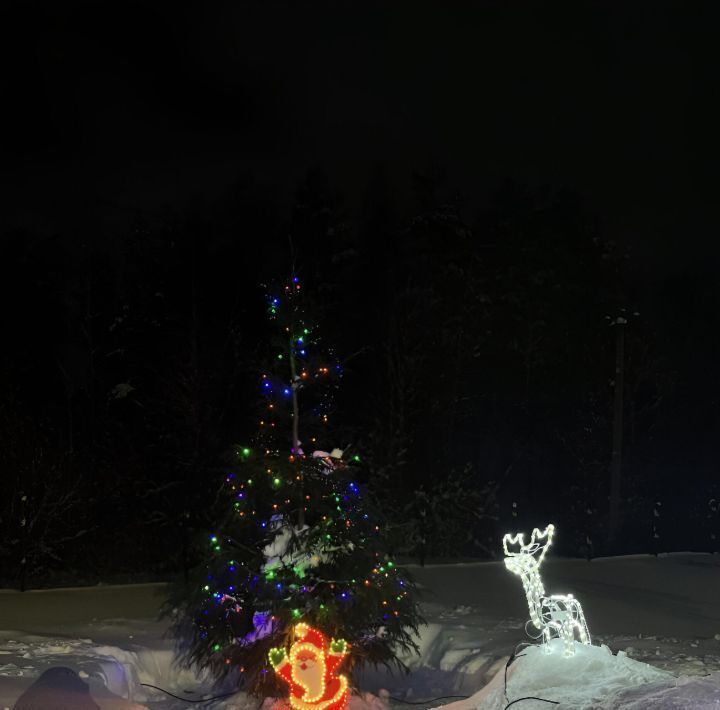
(307, 634)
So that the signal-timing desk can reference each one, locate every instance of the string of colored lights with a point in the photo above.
(328, 569)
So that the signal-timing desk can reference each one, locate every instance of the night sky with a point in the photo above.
(152, 113)
(116, 106)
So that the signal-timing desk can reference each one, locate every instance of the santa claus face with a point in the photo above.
(308, 671)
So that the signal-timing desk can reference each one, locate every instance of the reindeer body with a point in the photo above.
(558, 615)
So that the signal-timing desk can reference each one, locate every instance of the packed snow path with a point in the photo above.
(664, 611)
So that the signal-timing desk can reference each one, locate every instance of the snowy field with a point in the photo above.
(663, 611)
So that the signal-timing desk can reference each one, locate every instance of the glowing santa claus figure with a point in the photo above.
(310, 668)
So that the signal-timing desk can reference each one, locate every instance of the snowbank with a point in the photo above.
(663, 611)
(593, 679)
(582, 681)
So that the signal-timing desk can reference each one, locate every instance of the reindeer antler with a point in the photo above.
(533, 546)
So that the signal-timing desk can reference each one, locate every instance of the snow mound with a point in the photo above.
(585, 681)
(683, 692)
(357, 701)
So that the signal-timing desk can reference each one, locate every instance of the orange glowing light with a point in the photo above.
(310, 670)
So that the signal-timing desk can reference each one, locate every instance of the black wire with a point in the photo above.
(507, 665)
(527, 633)
(531, 697)
(510, 660)
(429, 700)
(227, 695)
(189, 700)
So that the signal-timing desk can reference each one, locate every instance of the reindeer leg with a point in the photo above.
(582, 624)
(547, 635)
(573, 626)
(568, 638)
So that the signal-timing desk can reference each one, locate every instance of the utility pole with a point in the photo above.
(617, 434)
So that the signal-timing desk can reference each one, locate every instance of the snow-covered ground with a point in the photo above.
(661, 611)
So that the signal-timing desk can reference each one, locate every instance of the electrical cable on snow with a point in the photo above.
(527, 633)
(531, 697)
(510, 660)
(190, 700)
(429, 700)
(227, 695)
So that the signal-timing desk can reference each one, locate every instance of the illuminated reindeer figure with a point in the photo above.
(559, 615)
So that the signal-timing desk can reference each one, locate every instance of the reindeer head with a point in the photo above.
(519, 557)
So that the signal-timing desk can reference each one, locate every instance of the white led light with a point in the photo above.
(557, 616)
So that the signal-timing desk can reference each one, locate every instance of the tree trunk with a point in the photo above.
(24, 541)
(296, 430)
(617, 438)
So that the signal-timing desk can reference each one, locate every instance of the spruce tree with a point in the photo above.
(297, 538)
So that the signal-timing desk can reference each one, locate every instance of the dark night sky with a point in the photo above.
(129, 123)
(116, 105)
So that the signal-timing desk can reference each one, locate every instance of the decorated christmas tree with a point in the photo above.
(297, 547)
